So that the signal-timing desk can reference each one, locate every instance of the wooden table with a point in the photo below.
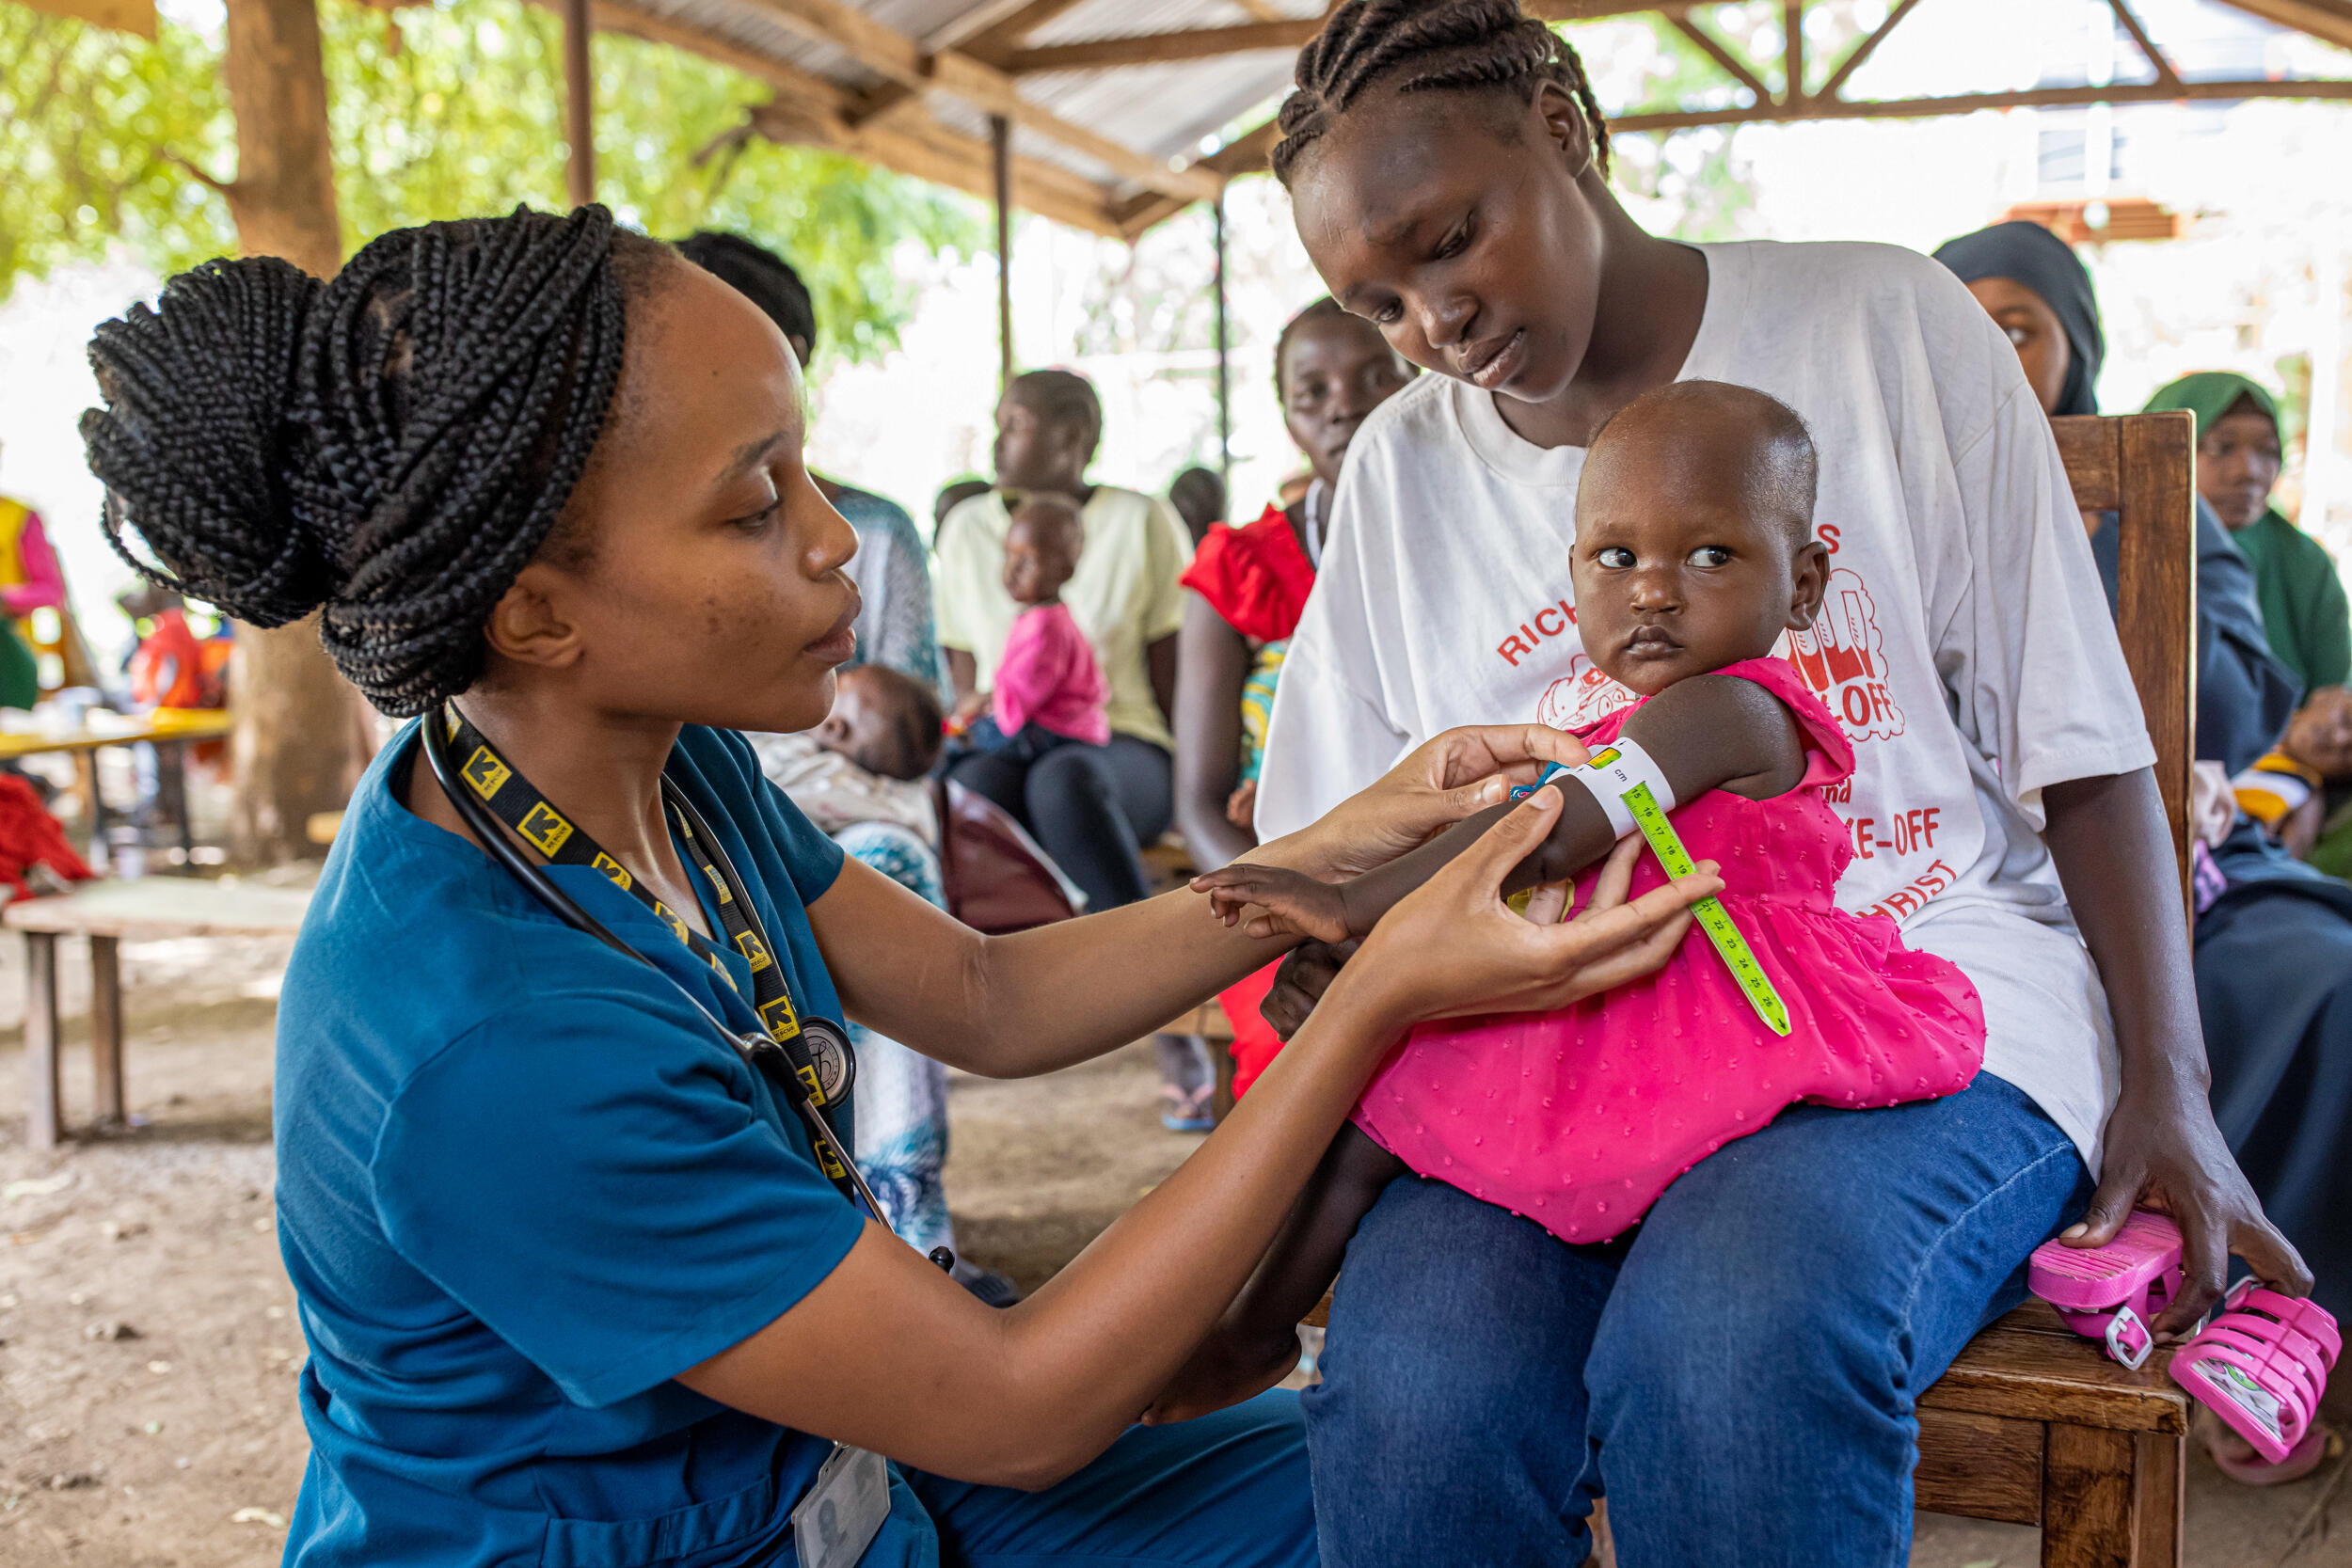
(170, 737)
(151, 908)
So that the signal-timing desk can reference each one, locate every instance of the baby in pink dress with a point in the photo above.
(1694, 554)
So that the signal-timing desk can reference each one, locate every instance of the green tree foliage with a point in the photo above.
(440, 111)
(90, 123)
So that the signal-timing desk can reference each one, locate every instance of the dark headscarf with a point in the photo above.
(2031, 255)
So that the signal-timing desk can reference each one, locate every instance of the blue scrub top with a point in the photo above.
(521, 1186)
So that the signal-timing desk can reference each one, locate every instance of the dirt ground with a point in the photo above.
(147, 1343)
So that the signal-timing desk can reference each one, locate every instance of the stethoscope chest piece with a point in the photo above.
(830, 1057)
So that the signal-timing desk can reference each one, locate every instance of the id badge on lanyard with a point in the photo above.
(844, 1509)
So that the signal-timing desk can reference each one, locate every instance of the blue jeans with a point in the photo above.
(1226, 1491)
(1738, 1374)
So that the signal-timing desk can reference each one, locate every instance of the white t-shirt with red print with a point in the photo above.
(1965, 643)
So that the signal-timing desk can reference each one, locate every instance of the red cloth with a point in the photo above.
(1049, 673)
(169, 669)
(30, 836)
(1257, 577)
(1255, 1043)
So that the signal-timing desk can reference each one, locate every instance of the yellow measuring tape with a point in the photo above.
(1712, 917)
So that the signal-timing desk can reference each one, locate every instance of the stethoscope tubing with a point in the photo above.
(492, 834)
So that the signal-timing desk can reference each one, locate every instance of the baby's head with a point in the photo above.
(1042, 546)
(1694, 543)
(884, 722)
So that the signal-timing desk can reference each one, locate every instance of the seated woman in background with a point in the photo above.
(1247, 587)
(2238, 457)
(2302, 795)
(895, 627)
(2273, 941)
(1092, 808)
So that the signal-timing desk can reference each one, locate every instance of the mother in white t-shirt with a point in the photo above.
(1739, 1373)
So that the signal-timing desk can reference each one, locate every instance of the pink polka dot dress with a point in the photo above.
(1579, 1119)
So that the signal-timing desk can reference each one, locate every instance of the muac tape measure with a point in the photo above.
(1709, 913)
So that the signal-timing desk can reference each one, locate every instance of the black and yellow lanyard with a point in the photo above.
(816, 1051)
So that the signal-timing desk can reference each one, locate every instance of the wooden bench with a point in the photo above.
(151, 908)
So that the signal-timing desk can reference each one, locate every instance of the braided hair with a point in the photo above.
(760, 274)
(1428, 45)
(393, 446)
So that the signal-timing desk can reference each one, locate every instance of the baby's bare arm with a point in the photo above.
(1709, 732)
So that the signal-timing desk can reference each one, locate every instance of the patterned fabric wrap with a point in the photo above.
(1257, 705)
(902, 1095)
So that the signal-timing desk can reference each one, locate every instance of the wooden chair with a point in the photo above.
(2033, 1424)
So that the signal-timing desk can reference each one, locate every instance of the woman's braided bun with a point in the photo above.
(393, 446)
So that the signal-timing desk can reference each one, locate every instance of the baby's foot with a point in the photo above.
(1288, 903)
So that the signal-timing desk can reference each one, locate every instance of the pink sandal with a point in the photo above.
(2261, 1366)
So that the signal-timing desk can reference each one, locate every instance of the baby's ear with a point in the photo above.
(1809, 582)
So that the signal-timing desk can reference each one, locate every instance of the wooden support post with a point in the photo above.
(1000, 145)
(43, 1122)
(2086, 1488)
(579, 102)
(1793, 24)
(2159, 1499)
(1224, 352)
(105, 1030)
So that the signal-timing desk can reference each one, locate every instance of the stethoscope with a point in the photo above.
(764, 1055)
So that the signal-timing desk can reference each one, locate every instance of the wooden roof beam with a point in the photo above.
(1963, 103)
(2166, 75)
(1245, 154)
(811, 111)
(1716, 50)
(2329, 20)
(1001, 33)
(893, 55)
(1862, 51)
(1208, 42)
(1162, 48)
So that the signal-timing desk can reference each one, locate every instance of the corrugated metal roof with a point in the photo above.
(1152, 116)
(1115, 139)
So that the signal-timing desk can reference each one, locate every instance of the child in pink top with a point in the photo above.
(1693, 554)
(1050, 690)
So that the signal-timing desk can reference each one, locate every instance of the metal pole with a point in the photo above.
(579, 103)
(1000, 145)
(1224, 349)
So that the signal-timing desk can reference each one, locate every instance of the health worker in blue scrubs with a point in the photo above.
(577, 1289)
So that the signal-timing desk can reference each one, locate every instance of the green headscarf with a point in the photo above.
(2210, 394)
(2305, 613)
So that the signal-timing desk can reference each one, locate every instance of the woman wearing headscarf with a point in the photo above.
(2029, 281)
(2238, 448)
(2300, 789)
(2273, 950)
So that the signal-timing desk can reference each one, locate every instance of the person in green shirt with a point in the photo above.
(2304, 610)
